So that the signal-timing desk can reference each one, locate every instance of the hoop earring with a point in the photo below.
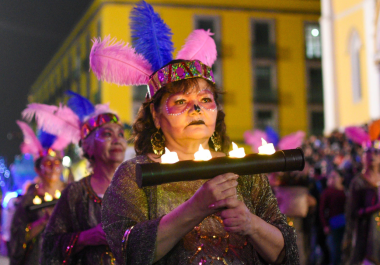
(216, 141)
(158, 142)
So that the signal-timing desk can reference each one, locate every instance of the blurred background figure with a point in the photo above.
(331, 214)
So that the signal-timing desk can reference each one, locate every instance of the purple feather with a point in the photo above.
(199, 46)
(151, 36)
(80, 105)
(117, 63)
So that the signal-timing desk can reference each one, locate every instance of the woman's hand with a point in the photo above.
(236, 218)
(217, 189)
(91, 237)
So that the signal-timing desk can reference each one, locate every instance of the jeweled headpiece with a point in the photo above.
(150, 61)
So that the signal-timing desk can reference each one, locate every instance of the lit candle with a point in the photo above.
(202, 154)
(37, 200)
(169, 157)
(266, 148)
(48, 197)
(237, 152)
(57, 194)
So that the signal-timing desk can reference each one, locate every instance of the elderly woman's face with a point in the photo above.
(190, 115)
(109, 143)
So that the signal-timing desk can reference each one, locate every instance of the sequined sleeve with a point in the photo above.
(125, 205)
(19, 231)
(267, 209)
(59, 237)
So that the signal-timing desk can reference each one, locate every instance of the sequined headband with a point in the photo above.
(179, 71)
(96, 122)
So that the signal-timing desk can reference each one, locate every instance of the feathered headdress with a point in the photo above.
(75, 121)
(253, 138)
(150, 61)
(358, 135)
(43, 144)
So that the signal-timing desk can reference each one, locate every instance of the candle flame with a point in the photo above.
(202, 154)
(236, 151)
(266, 148)
(57, 194)
(37, 200)
(48, 197)
(263, 141)
(169, 157)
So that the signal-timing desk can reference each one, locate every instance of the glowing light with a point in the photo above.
(48, 197)
(37, 200)
(8, 196)
(57, 194)
(66, 161)
(202, 154)
(266, 148)
(237, 152)
(169, 157)
(315, 32)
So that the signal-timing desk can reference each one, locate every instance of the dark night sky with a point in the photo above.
(31, 31)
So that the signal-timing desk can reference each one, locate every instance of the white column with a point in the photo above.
(330, 103)
(372, 72)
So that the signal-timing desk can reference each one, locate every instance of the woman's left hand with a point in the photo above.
(237, 218)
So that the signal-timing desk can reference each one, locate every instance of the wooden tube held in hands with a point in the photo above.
(151, 174)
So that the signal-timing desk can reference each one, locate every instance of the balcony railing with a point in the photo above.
(315, 96)
(265, 96)
(267, 51)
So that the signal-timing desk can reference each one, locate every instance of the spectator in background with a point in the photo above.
(331, 214)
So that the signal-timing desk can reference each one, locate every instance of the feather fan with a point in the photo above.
(80, 105)
(151, 36)
(117, 63)
(31, 144)
(199, 46)
(357, 134)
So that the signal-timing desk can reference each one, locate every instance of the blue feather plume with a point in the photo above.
(46, 139)
(151, 37)
(80, 105)
(272, 135)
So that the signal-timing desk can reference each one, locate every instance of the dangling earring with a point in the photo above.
(216, 141)
(158, 142)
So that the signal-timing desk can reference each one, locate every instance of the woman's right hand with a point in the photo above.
(92, 237)
(219, 188)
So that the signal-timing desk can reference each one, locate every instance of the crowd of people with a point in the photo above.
(109, 218)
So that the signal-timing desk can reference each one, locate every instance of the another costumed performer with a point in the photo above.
(226, 220)
(27, 226)
(74, 234)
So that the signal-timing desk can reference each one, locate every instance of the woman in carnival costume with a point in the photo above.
(28, 225)
(226, 220)
(74, 234)
(361, 242)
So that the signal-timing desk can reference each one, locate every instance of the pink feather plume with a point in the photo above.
(55, 120)
(357, 134)
(61, 143)
(117, 63)
(253, 138)
(291, 141)
(31, 144)
(199, 46)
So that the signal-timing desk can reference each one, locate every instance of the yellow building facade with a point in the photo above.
(269, 62)
(350, 35)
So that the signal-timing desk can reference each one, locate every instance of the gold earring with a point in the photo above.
(158, 142)
(216, 141)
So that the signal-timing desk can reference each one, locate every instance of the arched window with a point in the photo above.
(354, 49)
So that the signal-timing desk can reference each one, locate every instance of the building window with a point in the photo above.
(317, 122)
(212, 23)
(263, 39)
(265, 116)
(265, 83)
(314, 82)
(355, 45)
(313, 41)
